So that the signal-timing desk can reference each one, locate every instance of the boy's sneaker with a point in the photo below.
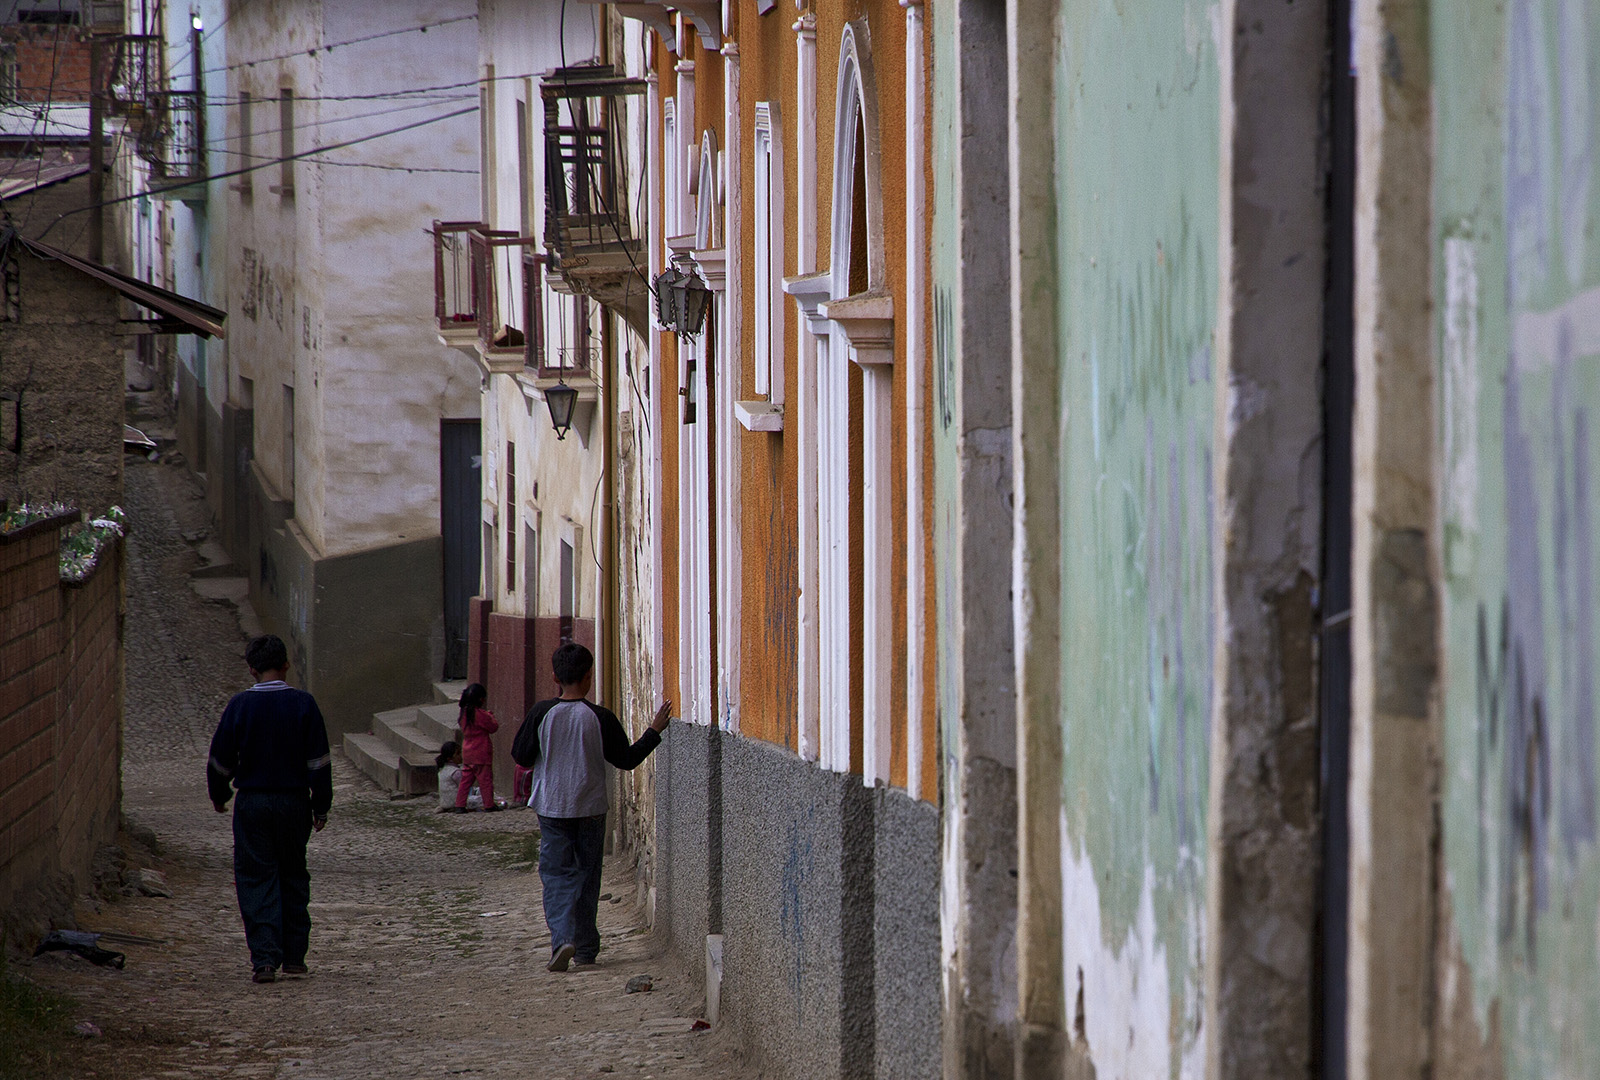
(563, 957)
(264, 975)
(296, 969)
(582, 962)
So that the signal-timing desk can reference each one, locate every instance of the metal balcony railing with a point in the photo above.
(455, 297)
(177, 150)
(136, 75)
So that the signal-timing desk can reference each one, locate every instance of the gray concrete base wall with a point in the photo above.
(365, 631)
(907, 971)
(782, 981)
(682, 822)
(826, 894)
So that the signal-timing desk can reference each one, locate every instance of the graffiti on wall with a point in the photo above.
(1138, 98)
(1519, 339)
(261, 295)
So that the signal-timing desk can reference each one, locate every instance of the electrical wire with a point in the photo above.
(263, 165)
(320, 121)
(42, 115)
(233, 9)
(377, 95)
(329, 47)
(356, 164)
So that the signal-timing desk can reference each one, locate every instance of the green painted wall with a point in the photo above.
(946, 282)
(1517, 265)
(1137, 195)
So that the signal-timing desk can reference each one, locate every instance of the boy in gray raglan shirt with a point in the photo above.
(567, 742)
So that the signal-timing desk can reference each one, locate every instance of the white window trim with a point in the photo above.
(707, 234)
(769, 252)
(671, 186)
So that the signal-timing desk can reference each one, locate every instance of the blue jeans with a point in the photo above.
(270, 830)
(570, 853)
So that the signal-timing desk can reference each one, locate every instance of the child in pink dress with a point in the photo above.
(477, 751)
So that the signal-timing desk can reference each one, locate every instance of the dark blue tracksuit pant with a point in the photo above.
(270, 831)
(570, 853)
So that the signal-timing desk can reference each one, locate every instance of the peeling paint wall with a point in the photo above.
(1137, 157)
(330, 278)
(1517, 323)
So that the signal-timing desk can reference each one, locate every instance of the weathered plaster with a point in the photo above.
(1136, 243)
(1517, 330)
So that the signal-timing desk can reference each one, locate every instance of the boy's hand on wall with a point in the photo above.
(663, 718)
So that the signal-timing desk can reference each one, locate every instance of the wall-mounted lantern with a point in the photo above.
(562, 400)
(681, 299)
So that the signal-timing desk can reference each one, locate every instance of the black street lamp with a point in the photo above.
(561, 400)
(695, 298)
(681, 299)
(667, 283)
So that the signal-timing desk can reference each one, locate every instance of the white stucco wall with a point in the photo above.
(330, 290)
(522, 39)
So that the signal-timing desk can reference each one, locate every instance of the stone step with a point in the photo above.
(448, 692)
(392, 770)
(406, 740)
(437, 722)
(375, 758)
(420, 776)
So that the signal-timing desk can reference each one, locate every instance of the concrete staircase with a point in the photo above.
(400, 750)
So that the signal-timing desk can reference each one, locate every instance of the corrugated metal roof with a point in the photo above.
(27, 175)
(203, 319)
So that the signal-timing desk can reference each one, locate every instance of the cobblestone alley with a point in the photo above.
(428, 943)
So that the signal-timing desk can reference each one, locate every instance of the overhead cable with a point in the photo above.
(330, 46)
(263, 165)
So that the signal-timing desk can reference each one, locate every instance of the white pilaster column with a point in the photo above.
(916, 289)
(687, 140)
(807, 697)
(864, 332)
(653, 374)
(730, 380)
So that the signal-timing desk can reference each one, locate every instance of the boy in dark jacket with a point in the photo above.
(568, 742)
(272, 747)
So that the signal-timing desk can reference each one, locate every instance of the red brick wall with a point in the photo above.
(60, 711)
(52, 62)
(89, 743)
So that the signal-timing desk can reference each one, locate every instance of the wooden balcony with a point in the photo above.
(455, 296)
(508, 299)
(595, 249)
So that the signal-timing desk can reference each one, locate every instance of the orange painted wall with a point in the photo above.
(769, 489)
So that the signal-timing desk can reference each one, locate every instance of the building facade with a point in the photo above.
(325, 429)
(1288, 449)
(740, 516)
(562, 510)
(796, 804)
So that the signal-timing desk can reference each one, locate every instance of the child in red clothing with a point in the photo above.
(477, 752)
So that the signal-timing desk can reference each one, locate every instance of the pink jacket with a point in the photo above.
(476, 749)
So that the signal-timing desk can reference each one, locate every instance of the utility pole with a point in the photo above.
(197, 76)
(97, 150)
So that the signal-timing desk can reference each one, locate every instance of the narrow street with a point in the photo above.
(428, 942)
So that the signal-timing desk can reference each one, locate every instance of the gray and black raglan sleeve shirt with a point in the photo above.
(567, 744)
